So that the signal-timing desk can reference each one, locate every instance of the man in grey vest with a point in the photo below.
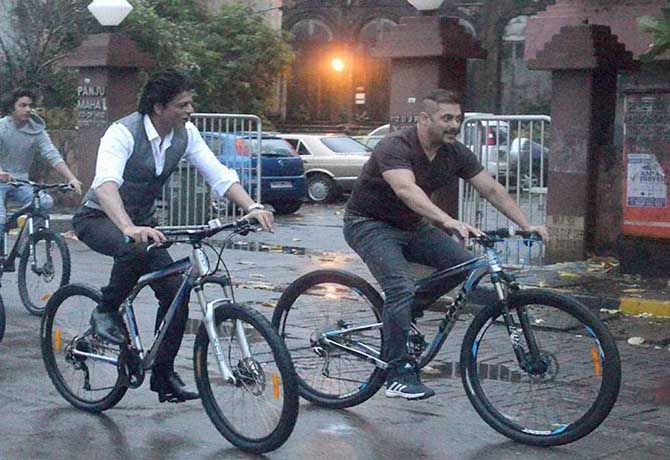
(136, 157)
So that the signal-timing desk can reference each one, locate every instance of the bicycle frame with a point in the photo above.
(29, 211)
(479, 267)
(195, 269)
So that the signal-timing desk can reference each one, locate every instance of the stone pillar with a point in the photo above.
(426, 52)
(109, 66)
(584, 61)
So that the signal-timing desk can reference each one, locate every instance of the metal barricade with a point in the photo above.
(236, 141)
(513, 149)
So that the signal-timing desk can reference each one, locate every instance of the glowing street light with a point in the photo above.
(110, 12)
(337, 64)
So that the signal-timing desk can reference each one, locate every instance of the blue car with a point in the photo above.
(282, 171)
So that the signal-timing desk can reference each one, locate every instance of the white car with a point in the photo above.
(332, 163)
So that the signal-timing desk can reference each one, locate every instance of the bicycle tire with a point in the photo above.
(304, 310)
(60, 325)
(33, 295)
(576, 386)
(2, 318)
(267, 431)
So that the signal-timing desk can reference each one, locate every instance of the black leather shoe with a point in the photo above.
(171, 388)
(108, 326)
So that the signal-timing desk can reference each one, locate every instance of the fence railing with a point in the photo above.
(513, 148)
(235, 139)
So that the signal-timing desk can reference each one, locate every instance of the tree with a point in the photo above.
(42, 33)
(659, 29)
(233, 56)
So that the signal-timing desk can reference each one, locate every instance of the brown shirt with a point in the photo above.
(374, 198)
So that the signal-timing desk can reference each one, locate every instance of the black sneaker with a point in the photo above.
(404, 382)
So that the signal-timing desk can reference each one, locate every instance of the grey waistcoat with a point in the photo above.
(141, 187)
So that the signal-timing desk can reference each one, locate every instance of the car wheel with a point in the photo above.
(320, 188)
(286, 207)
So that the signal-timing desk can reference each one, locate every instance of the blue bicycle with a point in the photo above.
(537, 366)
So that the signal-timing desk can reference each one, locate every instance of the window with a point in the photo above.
(344, 145)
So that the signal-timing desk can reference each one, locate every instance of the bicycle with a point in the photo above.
(235, 349)
(537, 366)
(41, 251)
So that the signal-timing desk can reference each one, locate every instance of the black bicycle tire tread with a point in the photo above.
(286, 300)
(23, 266)
(607, 395)
(289, 415)
(3, 319)
(47, 356)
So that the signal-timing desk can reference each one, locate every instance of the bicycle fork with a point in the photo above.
(208, 309)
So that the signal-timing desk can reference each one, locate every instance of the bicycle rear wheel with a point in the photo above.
(556, 396)
(51, 271)
(86, 383)
(259, 412)
(330, 301)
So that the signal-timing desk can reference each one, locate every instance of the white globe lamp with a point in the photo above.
(110, 12)
(426, 6)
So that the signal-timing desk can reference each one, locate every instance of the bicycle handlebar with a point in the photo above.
(493, 236)
(41, 186)
(193, 233)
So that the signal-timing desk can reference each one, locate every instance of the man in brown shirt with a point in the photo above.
(386, 220)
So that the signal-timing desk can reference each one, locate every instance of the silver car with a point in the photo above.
(332, 163)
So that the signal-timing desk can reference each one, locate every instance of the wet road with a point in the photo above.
(35, 422)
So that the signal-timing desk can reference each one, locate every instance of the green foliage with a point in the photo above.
(659, 29)
(233, 56)
(43, 33)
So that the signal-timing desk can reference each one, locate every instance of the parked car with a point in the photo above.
(282, 170)
(374, 136)
(332, 163)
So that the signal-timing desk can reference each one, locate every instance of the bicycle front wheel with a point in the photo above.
(259, 411)
(88, 383)
(565, 381)
(40, 277)
(325, 306)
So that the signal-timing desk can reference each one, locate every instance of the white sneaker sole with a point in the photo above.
(400, 394)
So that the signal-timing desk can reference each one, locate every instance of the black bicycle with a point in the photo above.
(538, 366)
(44, 258)
(243, 371)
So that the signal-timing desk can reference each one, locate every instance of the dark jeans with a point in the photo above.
(131, 261)
(387, 251)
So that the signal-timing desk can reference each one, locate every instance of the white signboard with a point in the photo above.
(646, 187)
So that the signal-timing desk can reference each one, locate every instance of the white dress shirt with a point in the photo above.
(117, 144)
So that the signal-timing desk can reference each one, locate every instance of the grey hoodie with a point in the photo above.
(18, 146)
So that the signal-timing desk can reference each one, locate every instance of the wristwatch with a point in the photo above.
(254, 206)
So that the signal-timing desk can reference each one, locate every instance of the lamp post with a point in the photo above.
(108, 64)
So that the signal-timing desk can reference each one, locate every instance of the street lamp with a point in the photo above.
(110, 12)
(426, 6)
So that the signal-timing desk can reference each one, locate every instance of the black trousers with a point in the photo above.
(131, 261)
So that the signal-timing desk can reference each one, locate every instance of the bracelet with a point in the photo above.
(254, 206)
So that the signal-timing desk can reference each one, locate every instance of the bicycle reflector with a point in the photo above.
(275, 385)
(57, 339)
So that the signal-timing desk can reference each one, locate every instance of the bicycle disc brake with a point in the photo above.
(250, 374)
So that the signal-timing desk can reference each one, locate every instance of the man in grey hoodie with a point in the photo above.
(22, 133)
